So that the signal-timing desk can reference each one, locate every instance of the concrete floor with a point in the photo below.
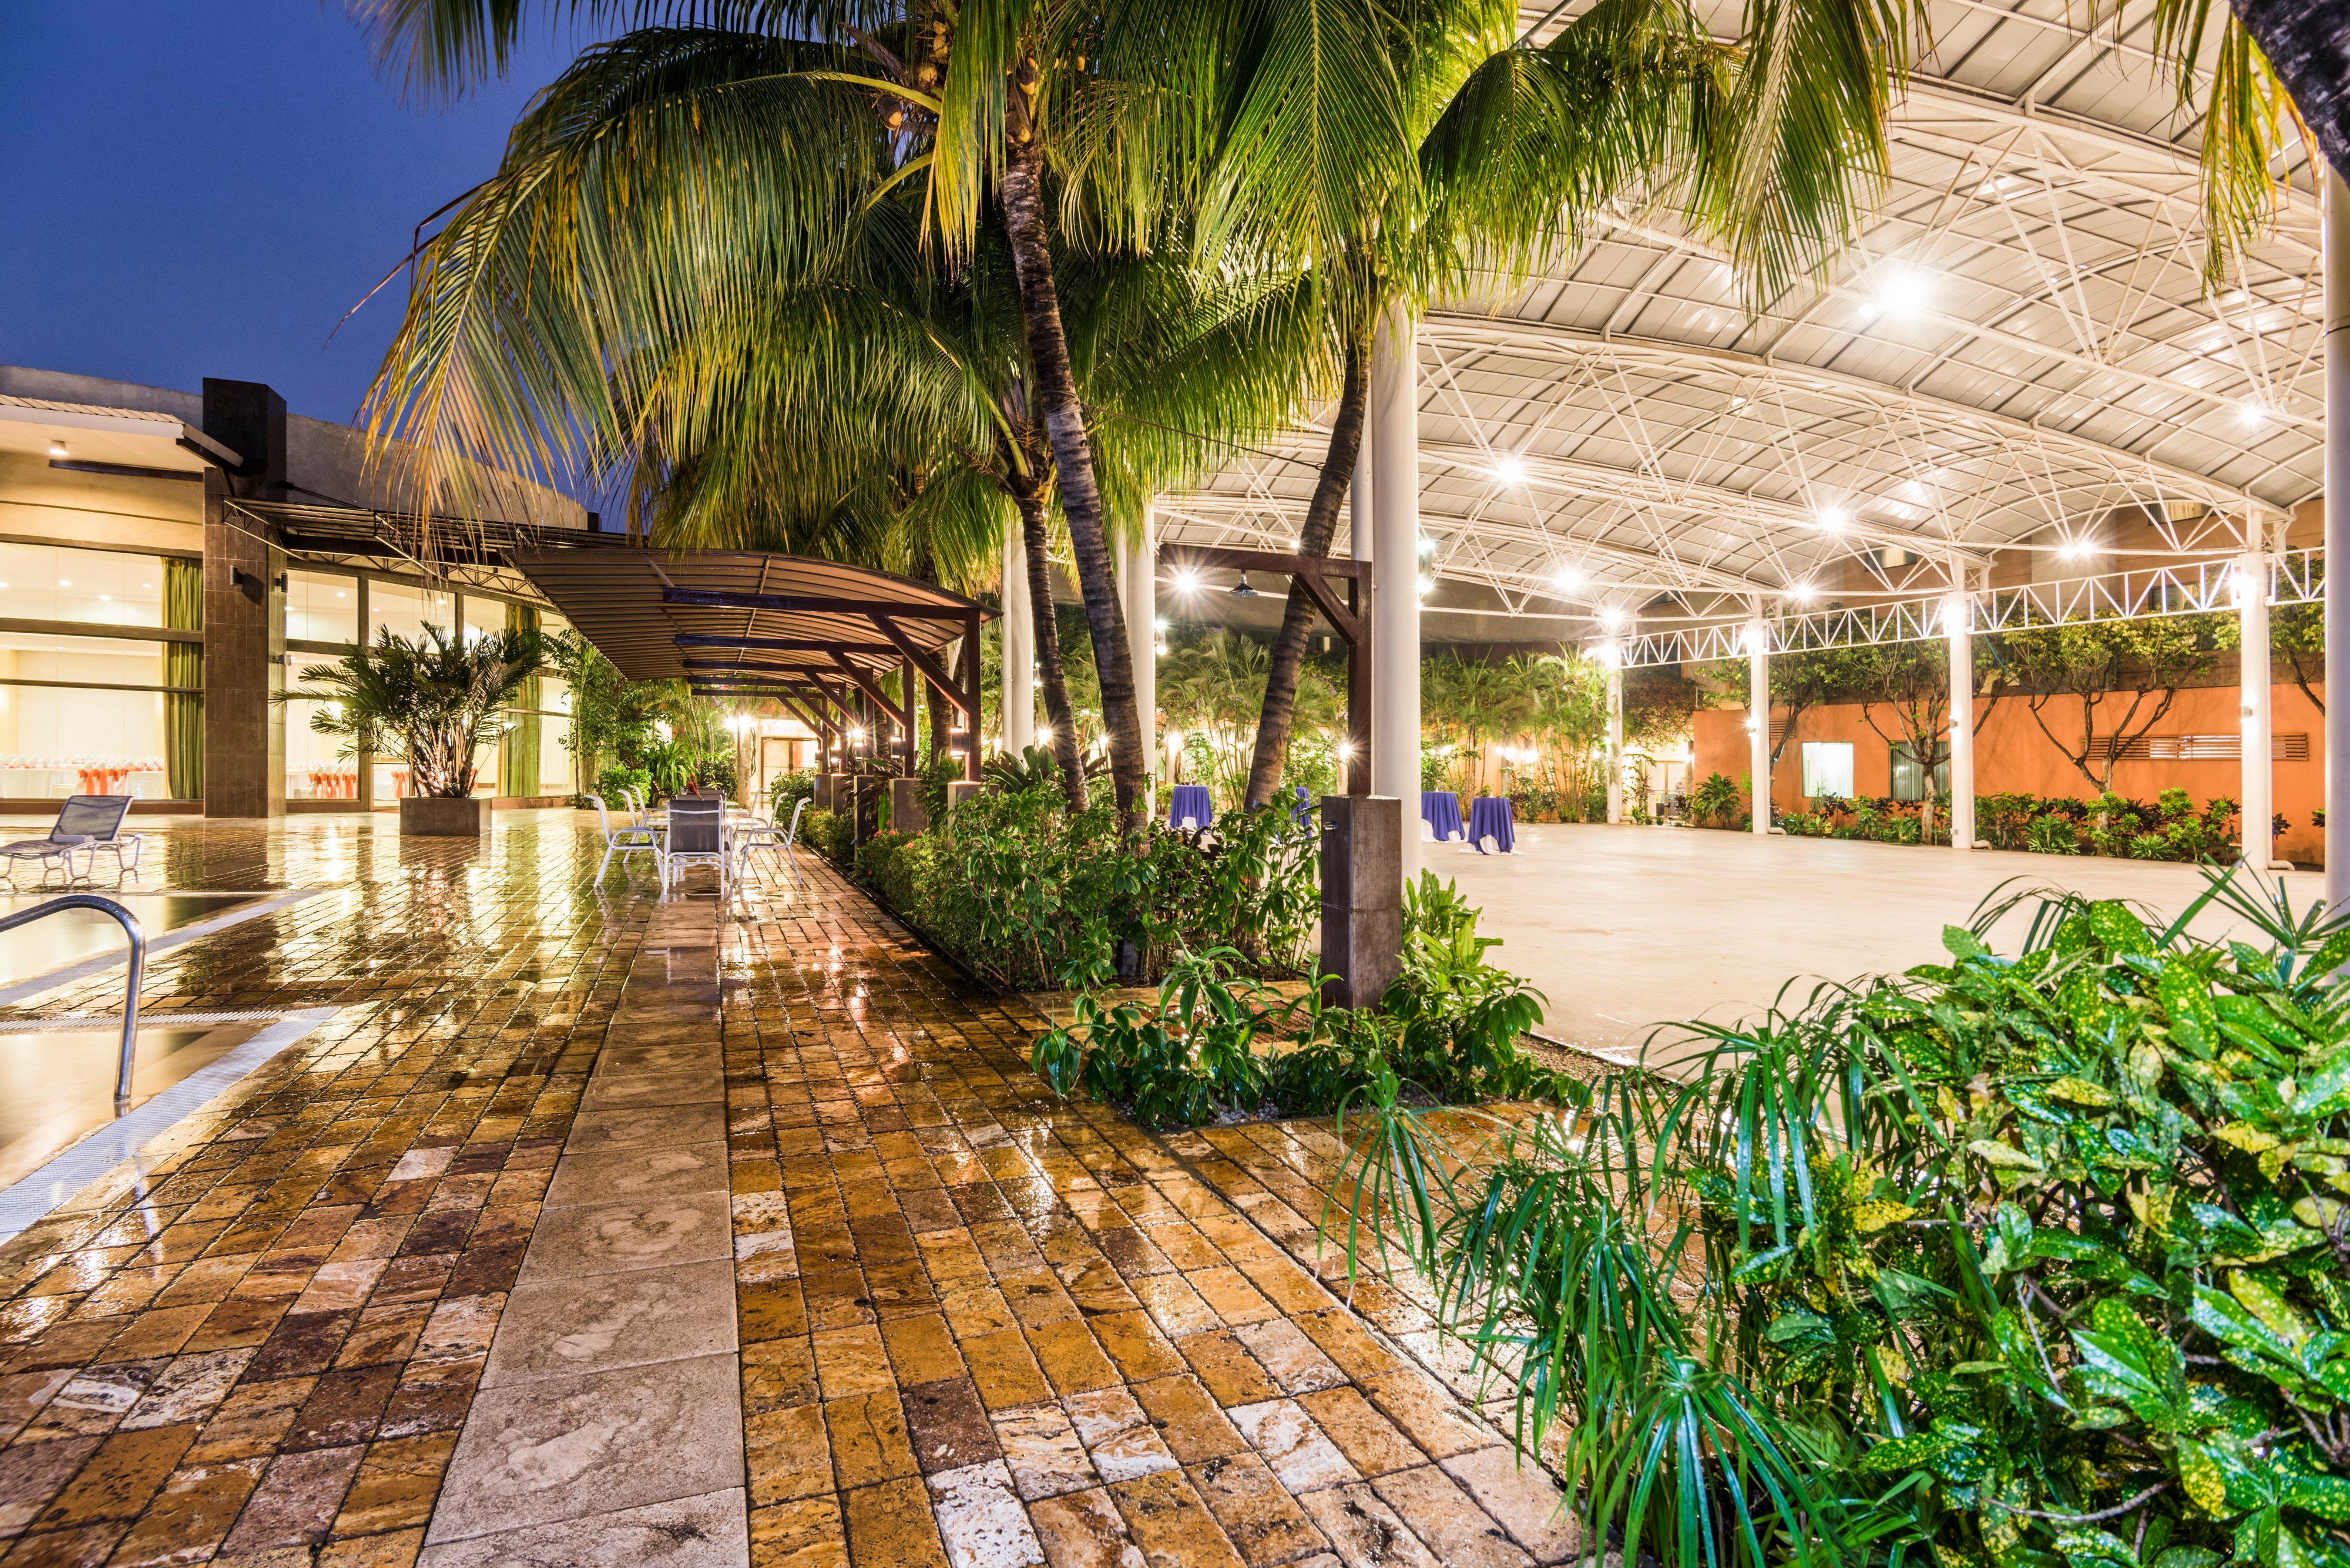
(1628, 928)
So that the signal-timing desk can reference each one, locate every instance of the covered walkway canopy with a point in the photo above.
(826, 639)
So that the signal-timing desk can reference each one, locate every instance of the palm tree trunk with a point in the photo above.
(1274, 722)
(1073, 456)
(1058, 713)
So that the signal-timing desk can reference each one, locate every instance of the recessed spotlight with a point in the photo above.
(1510, 468)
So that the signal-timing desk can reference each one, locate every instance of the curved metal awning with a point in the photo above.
(749, 623)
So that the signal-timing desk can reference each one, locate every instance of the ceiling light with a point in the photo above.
(56, 449)
(1427, 546)
(1160, 623)
(1510, 468)
(1241, 590)
(1805, 592)
(2074, 549)
(1901, 291)
(1187, 579)
(1569, 577)
(1427, 586)
(1833, 519)
(2252, 415)
(1611, 618)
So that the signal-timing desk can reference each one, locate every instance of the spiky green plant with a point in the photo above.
(433, 700)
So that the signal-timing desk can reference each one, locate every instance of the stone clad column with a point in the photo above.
(2253, 673)
(1758, 710)
(1394, 570)
(1019, 647)
(244, 608)
(1957, 626)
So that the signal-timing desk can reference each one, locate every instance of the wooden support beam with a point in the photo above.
(1225, 557)
(699, 639)
(932, 670)
(805, 604)
(871, 687)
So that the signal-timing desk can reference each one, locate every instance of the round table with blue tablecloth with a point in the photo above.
(1193, 801)
(1488, 817)
(1440, 809)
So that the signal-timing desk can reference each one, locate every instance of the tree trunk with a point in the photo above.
(1288, 658)
(1073, 456)
(1066, 750)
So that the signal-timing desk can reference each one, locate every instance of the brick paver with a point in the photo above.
(456, 1267)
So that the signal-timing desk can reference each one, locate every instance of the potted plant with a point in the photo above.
(434, 701)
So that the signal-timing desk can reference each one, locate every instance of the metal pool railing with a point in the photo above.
(130, 923)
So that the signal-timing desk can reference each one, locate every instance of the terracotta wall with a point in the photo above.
(2012, 754)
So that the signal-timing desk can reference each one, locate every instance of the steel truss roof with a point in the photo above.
(2017, 352)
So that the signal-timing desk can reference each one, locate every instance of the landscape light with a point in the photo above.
(1346, 749)
(1045, 734)
(1510, 468)
(857, 731)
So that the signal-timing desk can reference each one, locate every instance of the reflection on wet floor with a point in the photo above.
(57, 1085)
(77, 934)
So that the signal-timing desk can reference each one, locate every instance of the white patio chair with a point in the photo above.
(624, 841)
(760, 837)
(697, 836)
(86, 825)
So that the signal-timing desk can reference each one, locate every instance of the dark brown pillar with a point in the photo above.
(245, 663)
(910, 702)
(1358, 696)
(1362, 896)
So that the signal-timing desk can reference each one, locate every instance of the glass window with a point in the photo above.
(483, 616)
(57, 741)
(405, 611)
(1827, 769)
(1910, 780)
(555, 763)
(56, 582)
(316, 768)
(320, 608)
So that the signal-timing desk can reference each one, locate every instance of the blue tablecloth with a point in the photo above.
(1302, 813)
(1193, 801)
(1440, 809)
(1490, 816)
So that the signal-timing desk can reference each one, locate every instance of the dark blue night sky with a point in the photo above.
(204, 187)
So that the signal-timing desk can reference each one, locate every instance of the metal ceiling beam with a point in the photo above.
(1496, 329)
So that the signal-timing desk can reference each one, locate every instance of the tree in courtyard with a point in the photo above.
(1800, 679)
(2297, 635)
(2120, 677)
(1910, 682)
(1565, 715)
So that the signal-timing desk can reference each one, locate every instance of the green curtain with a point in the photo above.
(184, 665)
(518, 756)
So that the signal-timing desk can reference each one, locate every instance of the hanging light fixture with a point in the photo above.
(1241, 590)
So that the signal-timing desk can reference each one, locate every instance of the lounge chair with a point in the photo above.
(86, 824)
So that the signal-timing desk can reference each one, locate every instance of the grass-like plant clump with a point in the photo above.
(2040, 1259)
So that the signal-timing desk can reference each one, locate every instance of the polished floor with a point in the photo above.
(1629, 929)
(585, 1229)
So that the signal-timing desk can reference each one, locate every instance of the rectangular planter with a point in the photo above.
(445, 817)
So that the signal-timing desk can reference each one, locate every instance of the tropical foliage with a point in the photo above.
(434, 701)
(2023, 1260)
(1214, 1045)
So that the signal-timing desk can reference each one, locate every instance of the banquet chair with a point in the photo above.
(697, 836)
(626, 840)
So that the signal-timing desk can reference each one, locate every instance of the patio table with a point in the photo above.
(1490, 817)
(1191, 801)
(1440, 809)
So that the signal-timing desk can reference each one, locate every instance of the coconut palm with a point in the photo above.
(1771, 147)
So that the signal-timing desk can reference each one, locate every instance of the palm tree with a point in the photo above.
(434, 701)
(714, 135)
(1512, 146)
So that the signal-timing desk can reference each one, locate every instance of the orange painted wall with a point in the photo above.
(2012, 754)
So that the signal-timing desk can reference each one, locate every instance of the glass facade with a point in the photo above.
(97, 697)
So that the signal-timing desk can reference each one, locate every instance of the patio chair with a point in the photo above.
(86, 825)
(624, 841)
(766, 837)
(697, 836)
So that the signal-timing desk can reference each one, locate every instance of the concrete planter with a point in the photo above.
(906, 813)
(445, 817)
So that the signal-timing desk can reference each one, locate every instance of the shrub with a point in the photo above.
(788, 790)
(1216, 1045)
(2053, 835)
(832, 833)
(1717, 802)
(2025, 1260)
(615, 784)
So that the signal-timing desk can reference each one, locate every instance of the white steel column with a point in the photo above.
(1615, 660)
(1956, 617)
(1361, 525)
(1395, 572)
(2253, 668)
(1019, 649)
(2337, 541)
(1758, 710)
(1137, 578)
